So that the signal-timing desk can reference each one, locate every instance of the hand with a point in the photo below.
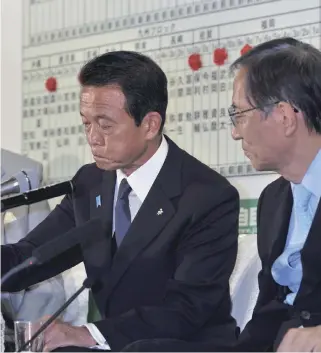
(61, 334)
(307, 339)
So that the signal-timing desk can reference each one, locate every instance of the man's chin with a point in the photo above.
(261, 167)
(106, 165)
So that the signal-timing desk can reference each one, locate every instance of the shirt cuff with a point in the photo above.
(98, 337)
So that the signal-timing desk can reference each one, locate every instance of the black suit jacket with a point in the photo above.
(272, 318)
(170, 275)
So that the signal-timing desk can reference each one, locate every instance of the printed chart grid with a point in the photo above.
(60, 36)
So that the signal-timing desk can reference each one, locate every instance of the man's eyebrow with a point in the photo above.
(105, 117)
(100, 116)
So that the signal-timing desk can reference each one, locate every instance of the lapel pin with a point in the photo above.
(98, 201)
(159, 212)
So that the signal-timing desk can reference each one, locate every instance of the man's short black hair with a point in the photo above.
(141, 80)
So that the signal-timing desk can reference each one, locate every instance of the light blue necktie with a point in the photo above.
(287, 269)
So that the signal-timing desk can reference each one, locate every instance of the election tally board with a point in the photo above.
(194, 42)
(248, 216)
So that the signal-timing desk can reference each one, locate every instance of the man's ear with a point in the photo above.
(288, 116)
(152, 123)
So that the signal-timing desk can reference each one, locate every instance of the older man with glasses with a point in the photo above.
(276, 113)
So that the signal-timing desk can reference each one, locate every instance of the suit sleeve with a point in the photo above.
(43, 298)
(206, 255)
(58, 222)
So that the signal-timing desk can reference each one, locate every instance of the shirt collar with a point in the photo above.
(142, 179)
(311, 179)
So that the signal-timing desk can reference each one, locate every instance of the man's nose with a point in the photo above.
(235, 134)
(95, 137)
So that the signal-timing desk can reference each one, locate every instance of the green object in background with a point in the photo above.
(93, 312)
(247, 218)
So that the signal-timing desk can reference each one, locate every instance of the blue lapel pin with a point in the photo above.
(98, 201)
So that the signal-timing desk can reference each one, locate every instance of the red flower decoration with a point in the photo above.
(219, 56)
(195, 61)
(51, 84)
(245, 49)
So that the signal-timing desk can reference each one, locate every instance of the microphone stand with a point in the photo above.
(31, 261)
(88, 283)
(37, 195)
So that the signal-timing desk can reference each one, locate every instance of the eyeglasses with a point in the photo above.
(233, 113)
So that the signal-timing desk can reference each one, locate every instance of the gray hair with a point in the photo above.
(284, 70)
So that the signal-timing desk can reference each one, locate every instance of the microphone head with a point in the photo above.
(89, 282)
(21, 182)
(27, 179)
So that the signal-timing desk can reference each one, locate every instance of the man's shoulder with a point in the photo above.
(276, 187)
(200, 183)
(89, 174)
(274, 192)
(195, 170)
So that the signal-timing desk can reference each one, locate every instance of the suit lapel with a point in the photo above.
(97, 254)
(152, 217)
(279, 224)
(102, 199)
(154, 214)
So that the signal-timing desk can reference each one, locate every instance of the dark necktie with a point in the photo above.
(122, 223)
(122, 212)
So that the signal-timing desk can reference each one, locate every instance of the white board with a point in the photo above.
(59, 36)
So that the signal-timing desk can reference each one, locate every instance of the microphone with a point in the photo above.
(36, 195)
(22, 181)
(91, 230)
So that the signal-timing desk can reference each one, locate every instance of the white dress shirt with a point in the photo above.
(141, 181)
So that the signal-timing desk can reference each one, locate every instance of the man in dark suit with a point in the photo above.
(276, 112)
(170, 222)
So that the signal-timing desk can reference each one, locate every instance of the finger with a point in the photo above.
(50, 347)
(302, 346)
(286, 341)
(45, 318)
(49, 337)
(305, 340)
(283, 347)
(299, 341)
(59, 321)
(51, 344)
(47, 334)
(317, 348)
